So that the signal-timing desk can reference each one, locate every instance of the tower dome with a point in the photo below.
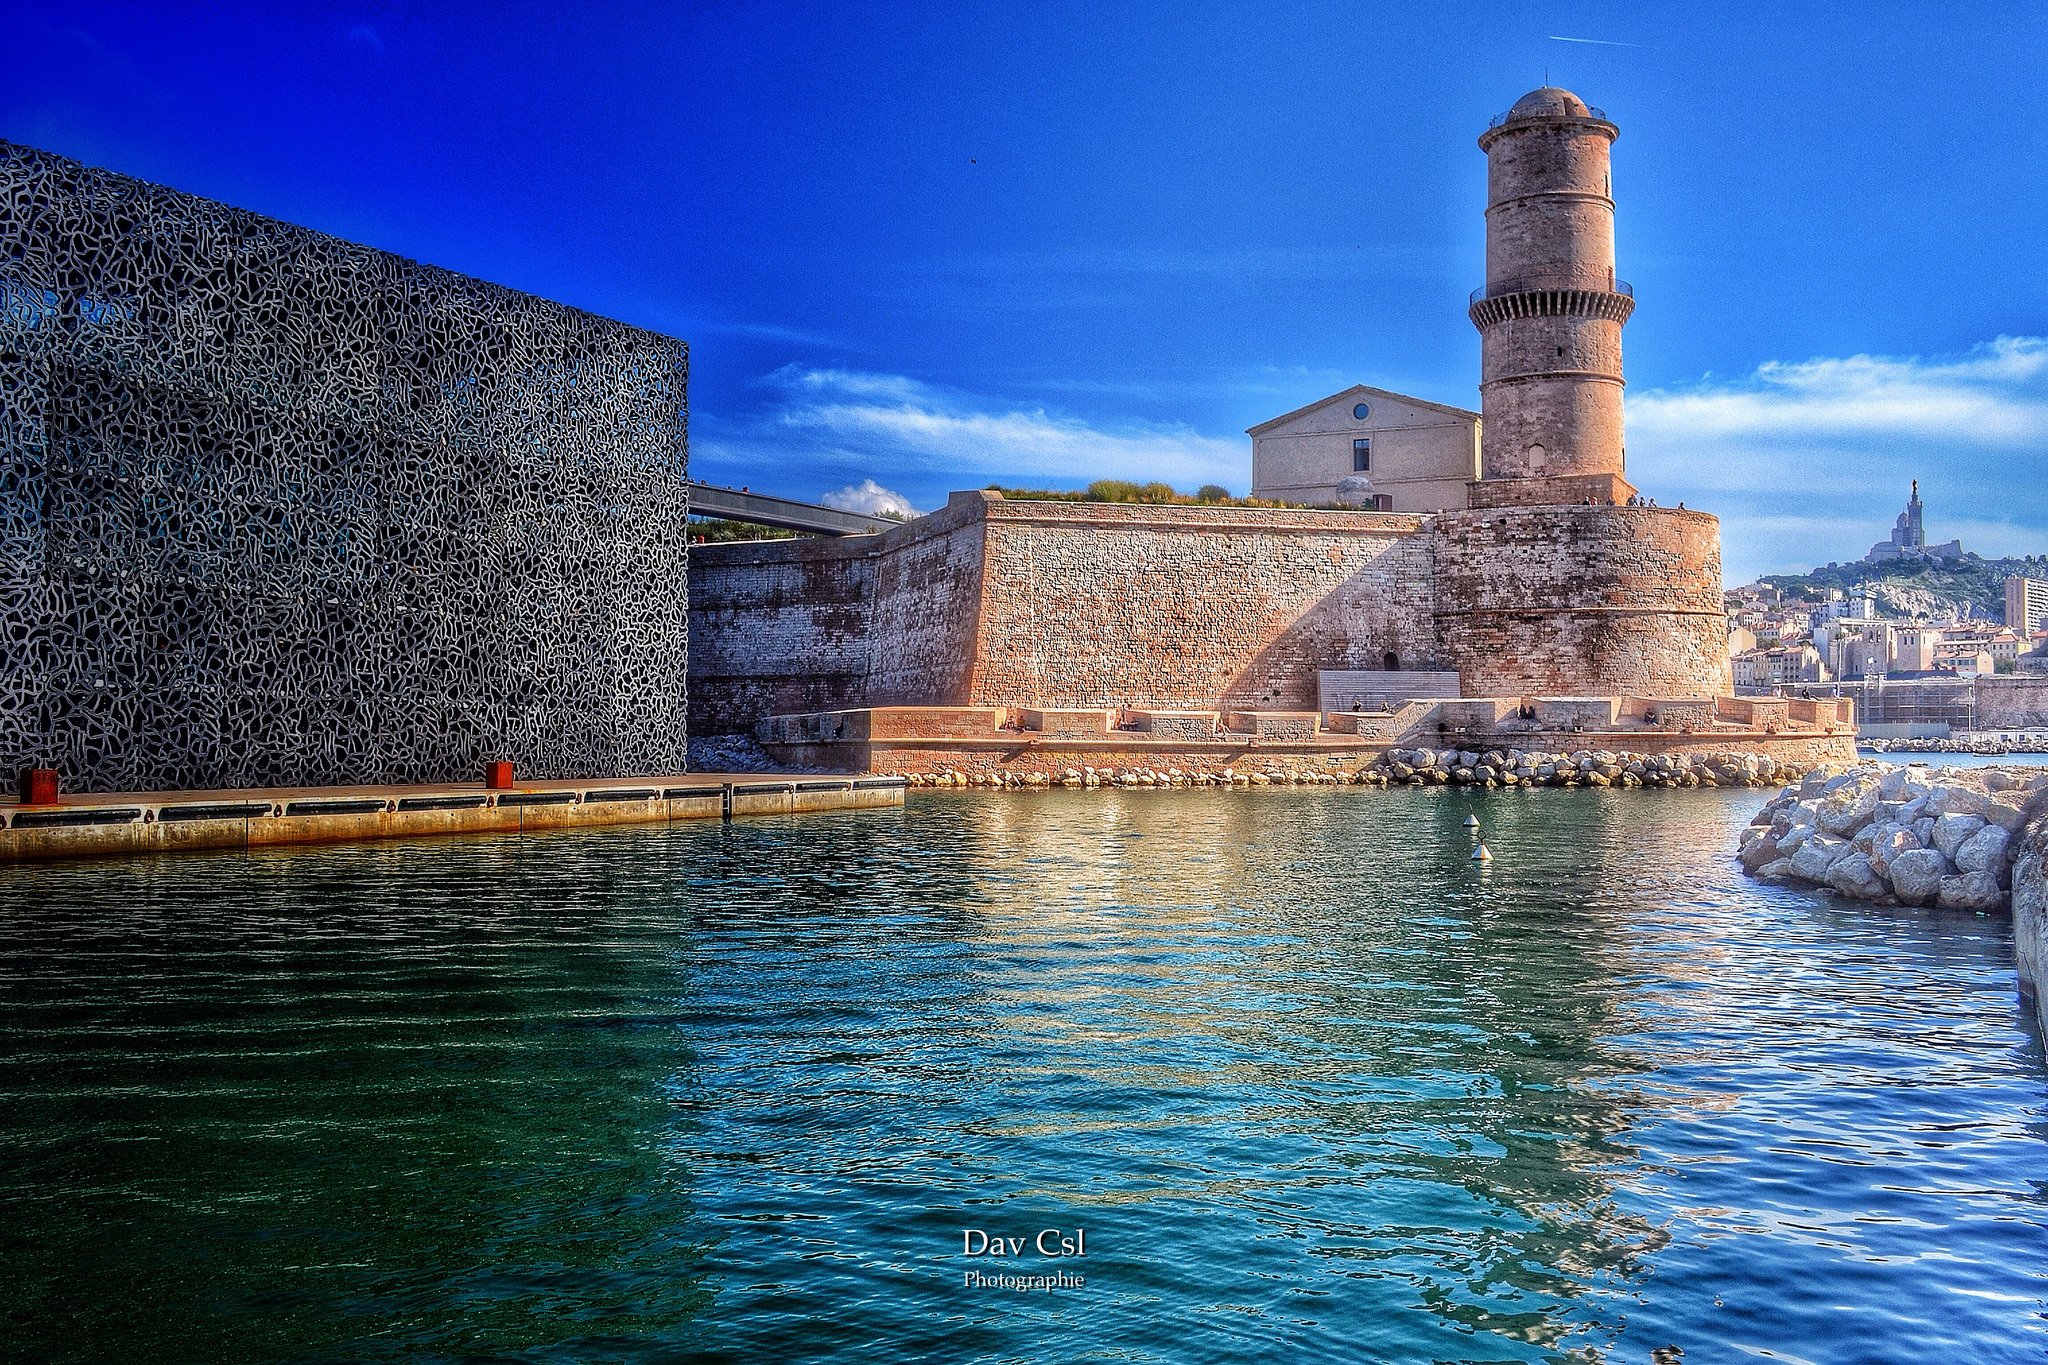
(1549, 101)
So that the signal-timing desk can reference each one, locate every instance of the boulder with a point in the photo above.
(1778, 871)
(1916, 875)
(1789, 843)
(1852, 875)
(1849, 807)
(1985, 851)
(2030, 913)
(1971, 891)
(1817, 855)
(2006, 815)
(1757, 850)
(1888, 846)
(1952, 829)
(1957, 801)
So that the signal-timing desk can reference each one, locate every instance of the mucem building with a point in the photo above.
(279, 509)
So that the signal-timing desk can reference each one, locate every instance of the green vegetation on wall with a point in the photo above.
(1158, 494)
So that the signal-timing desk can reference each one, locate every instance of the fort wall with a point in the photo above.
(1563, 601)
(989, 602)
(1089, 604)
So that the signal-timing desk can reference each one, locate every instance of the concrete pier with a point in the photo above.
(100, 824)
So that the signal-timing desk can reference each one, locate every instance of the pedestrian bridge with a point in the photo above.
(763, 509)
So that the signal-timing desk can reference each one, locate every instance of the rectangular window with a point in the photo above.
(1383, 502)
(1361, 456)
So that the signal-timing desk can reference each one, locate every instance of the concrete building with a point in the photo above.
(2026, 605)
(1765, 668)
(1368, 448)
(277, 509)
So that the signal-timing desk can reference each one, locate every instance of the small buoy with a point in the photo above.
(1471, 822)
(1480, 855)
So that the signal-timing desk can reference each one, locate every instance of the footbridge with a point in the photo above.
(763, 509)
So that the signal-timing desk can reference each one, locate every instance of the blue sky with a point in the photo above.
(935, 246)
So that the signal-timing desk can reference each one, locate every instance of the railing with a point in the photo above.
(1621, 287)
(1592, 110)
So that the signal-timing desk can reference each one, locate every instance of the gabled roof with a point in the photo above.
(1353, 392)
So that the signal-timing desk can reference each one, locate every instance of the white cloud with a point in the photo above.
(891, 422)
(1994, 394)
(1809, 461)
(870, 499)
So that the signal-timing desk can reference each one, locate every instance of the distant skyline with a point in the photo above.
(924, 248)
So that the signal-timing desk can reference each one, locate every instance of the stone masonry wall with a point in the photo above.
(1091, 604)
(990, 602)
(1562, 601)
(2012, 702)
(778, 626)
(995, 602)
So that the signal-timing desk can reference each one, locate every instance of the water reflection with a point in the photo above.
(1314, 1084)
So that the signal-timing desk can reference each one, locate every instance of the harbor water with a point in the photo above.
(1308, 1082)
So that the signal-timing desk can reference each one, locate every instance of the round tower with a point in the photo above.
(1551, 311)
(1548, 584)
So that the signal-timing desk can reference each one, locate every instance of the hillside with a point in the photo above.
(1917, 587)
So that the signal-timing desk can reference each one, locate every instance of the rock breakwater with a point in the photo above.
(1415, 768)
(1908, 835)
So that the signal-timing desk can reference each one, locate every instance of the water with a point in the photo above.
(1314, 1086)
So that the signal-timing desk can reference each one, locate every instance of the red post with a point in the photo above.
(497, 774)
(38, 786)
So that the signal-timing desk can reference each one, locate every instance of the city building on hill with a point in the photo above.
(1856, 649)
(1913, 647)
(1368, 448)
(1840, 606)
(1965, 659)
(1766, 668)
(2026, 604)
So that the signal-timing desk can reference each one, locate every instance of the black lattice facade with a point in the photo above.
(279, 509)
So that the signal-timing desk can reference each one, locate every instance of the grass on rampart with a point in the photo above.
(1153, 494)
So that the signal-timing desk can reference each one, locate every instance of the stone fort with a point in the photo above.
(1548, 598)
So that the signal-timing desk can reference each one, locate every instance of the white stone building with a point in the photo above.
(1413, 455)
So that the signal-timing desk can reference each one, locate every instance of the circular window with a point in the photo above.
(1362, 411)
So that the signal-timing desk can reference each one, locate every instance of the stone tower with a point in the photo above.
(1910, 532)
(1551, 311)
(1548, 583)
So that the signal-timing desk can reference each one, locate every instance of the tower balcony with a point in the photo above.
(1593, 111)
(1491, 304)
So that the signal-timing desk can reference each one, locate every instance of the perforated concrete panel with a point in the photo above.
(280, 509)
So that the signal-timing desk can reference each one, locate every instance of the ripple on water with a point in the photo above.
(1314, 1085)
